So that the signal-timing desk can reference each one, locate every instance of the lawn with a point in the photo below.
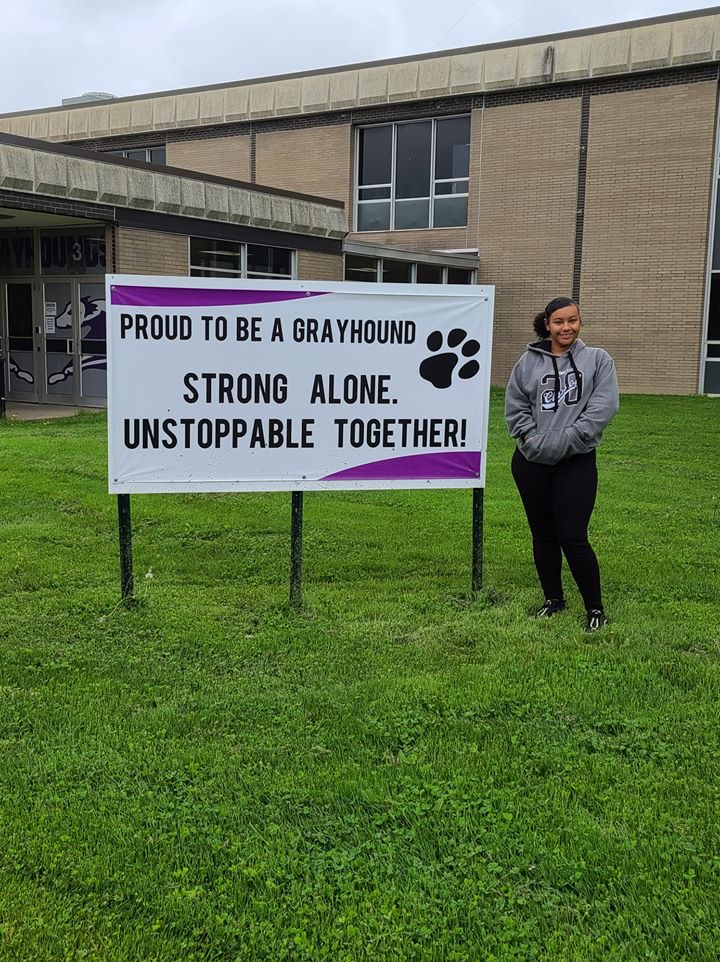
(400, 771)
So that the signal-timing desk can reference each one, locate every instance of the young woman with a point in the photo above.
(561, 396)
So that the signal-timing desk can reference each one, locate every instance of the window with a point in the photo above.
(149, 155)
(216, 258)
(413, 175)
(712, 345)
(373, 269)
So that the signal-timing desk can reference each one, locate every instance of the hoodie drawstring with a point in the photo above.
(557, 382)
(578, 375)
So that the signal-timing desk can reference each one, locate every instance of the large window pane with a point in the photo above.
(156, 155)
(72, 253)
(429, 274)
(450, 212)
(451, 187)
(456, 275)
(269, 260)
(712, 377)
(16, 252)
(452, 148)
(358, 268)
(412, 164)
(396, 272)
(714, 318)
(373, 216)
(716, 241)
(214, 255)
(412, 214)
(375, 161)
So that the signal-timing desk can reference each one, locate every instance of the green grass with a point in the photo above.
(400, 771)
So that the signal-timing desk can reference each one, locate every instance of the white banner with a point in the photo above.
(223, 385)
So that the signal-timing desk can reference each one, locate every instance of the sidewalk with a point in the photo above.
(41, 412)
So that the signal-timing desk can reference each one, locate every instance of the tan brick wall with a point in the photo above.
(220, 156)
(650, 163)
(315, 160)
(526, 215)
(319, 267)
(150, 252)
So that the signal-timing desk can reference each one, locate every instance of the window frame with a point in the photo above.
(379, 270)
(392, 199)
(242, 274)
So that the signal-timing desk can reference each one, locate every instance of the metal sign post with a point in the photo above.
(477, 539)
(296, 532)
(126, 560)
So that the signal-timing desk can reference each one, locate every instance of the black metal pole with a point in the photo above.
(3, 410)
(477, 539)
(126, 561)
(296, 525)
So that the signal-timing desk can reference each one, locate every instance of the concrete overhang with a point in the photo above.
(467, 260)
(38, 169)
(660, 43)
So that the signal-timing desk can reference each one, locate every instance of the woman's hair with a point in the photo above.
(555, 304)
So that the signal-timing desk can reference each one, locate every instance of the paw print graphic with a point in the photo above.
(439, 368)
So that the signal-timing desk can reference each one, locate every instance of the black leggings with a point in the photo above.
(558, 500)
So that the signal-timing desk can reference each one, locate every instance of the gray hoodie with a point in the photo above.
(557, 405)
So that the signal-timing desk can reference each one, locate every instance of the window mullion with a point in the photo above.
(393, 173)
(431, 220)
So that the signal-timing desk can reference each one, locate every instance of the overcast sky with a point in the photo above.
(63, 48)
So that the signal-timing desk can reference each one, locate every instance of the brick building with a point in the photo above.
(583, 163)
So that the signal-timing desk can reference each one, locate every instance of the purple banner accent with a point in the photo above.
(123, 295)
(414, 467)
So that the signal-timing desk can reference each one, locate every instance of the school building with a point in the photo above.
(584, 163)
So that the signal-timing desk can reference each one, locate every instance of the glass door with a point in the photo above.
(21, 345)
(60, 344)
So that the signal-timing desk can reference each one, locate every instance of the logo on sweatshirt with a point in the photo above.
(568, 390)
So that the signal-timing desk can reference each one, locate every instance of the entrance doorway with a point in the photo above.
(53, 340)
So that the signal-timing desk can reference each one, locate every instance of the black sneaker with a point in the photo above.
(550, 608)
(596, 619)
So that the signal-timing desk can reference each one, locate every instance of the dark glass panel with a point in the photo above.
(712, 377)
(396, 272)
(713, 350)
(157, 155)
(269, 260)
(714, 318)
(373, 216)
(451, 187)
(429, 274)
(19, 312)
(215, 255)
(139, 154)
(17, 255)
(358, 268)
(412, 214)
(452, 148)
(375, 160)
(456, 275)
(450, 212)
(412, 164)
(374, 193)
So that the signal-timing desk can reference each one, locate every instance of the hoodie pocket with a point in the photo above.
(548, 448)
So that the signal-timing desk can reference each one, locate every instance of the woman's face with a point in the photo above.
(563, 326)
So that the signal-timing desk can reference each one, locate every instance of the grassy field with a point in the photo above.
(398, 772)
